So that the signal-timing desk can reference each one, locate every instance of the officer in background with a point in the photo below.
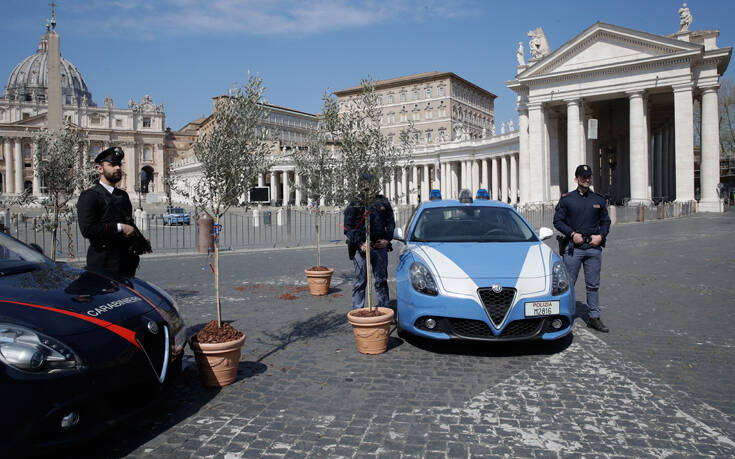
(382, 224)
(581, 216)
(106, 219)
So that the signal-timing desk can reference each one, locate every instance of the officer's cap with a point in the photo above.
(583, 171)
(113, 155)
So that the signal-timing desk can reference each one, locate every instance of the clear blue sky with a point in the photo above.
(183, 52)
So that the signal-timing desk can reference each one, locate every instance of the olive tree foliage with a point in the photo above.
(231, 154)
(58, 156)
(364, 157)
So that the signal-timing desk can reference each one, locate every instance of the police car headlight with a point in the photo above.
(421, 279)
(560, 279)
(29, 351)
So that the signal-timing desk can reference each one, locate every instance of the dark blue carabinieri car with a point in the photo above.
(78, 350)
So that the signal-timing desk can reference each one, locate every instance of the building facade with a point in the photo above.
(622, 101)
(26, 105)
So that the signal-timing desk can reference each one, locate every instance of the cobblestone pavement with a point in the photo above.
(659, 385)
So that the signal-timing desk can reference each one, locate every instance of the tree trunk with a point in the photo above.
(55, 233)
(369, 273)
(216, 270)
(318, 248)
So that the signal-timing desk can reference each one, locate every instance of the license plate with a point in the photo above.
(542, 308)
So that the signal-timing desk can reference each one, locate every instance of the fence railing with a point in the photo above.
(284, 227)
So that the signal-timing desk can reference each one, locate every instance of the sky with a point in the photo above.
(184, 52)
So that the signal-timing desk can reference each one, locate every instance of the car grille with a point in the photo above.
(479, 329)
(155, 346)
(497, 304)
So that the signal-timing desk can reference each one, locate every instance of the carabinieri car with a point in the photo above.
(78, 350)
(476, 270)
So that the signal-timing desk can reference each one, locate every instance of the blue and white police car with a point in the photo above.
(476, 270)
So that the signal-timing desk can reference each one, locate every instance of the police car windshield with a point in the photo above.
(16, 257)
(471, 224)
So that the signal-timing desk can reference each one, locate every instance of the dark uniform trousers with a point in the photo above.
(382, 224)
(585, 214)
(99, 212)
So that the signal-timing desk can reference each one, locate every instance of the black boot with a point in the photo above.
(597, 324)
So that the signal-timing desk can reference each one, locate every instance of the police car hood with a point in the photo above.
(487, 260)
(62, 300)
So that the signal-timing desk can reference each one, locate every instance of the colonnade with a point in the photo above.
(411, 184)
(14, 173)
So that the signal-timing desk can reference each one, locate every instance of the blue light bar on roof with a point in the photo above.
(435, 195)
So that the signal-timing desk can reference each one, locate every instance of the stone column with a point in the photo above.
(436, 176)
(536, 151)
(158, 158)
(665, 170)
(574, 158)
(274, 186)
(415, 187)
(36, 176)
(404, 185)
(553, 189)
(286, 188)
(637, 149)
(504, 178)
(297, 180)
(392, 187)
(9, 167)
(425, 184)
(494, 184)
(18, 171)
(443, 179)
(454, 180)
(485, 179)
(261, 180)
(514, 179)
(524, 158)
(709, 170)
(684, 132)
(475, 177)
(658, 163)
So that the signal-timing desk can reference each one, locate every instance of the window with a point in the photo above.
(67, 118)
(146, 122)
(147, 154)
(429, 113)
(26, 151)
(442, 112)
(428, 136)
(118, 122)
(391, 139)
(416, 116)
(427, 93)
(95, 120)
(26, 115)
(442, 135)
(390, 98)
(404, 116)
(392, 118)
(380, 100)
(441, 91)
(415, 94)
(403, 96)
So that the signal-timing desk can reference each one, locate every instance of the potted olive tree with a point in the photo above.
(318, 172)
(232, 152)
(365, 159)
(63, 171)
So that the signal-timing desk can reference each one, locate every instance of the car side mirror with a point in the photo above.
(398, 235)
(545, 233)
(36, 247)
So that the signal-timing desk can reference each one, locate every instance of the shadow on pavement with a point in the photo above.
(492, 349)
(319, 325)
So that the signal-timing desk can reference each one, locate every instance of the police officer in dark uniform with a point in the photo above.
(106, 219)
(581, 216)
(382, 224)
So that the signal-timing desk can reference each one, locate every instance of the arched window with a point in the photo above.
(26, 150)
(147, 156)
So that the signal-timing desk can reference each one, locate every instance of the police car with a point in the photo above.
(78, 350)
(476, 270)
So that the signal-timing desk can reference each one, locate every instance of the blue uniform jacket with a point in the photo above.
(582, 213)
(382, 221)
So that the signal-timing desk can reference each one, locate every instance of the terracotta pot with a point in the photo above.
(319, 281)
(371, 333)
(217, 362)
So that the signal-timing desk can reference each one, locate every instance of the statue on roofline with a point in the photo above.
(685, 18)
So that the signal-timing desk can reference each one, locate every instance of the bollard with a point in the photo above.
(144, 221)
(206, 224)
(613, 214)
(661, 211)
(279, 217)
(641, 214)
(256, 220)
(267, 217)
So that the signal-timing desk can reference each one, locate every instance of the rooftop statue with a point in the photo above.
(519, 54)
(685, 18)
(538, 44)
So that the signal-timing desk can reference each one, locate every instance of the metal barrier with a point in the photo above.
(286, 227)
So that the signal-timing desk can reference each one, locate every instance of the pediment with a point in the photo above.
(605, 45)
(38, 121)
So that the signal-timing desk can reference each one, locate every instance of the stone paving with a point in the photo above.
(659, 385)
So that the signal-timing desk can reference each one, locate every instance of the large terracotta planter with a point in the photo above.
(371, 333)
(319, 281)
(217, 362)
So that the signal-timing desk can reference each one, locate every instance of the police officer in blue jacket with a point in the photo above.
(581, 216)
(382, 224)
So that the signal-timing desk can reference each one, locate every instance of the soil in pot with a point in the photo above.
(319, 279)
(211, 333)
